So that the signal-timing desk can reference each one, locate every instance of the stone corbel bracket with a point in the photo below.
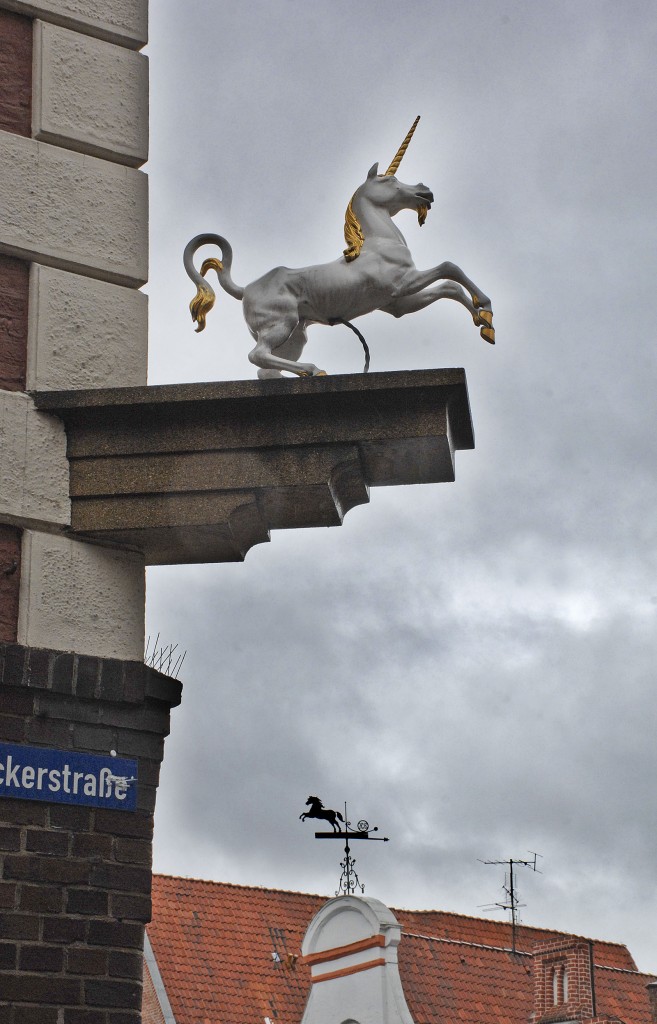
(202, 472)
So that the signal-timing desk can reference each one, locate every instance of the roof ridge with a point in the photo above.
(403, 910)
(236, 885)
(624, 970)
(463, 942)
(533, 927)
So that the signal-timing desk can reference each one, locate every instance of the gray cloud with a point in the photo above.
(471, 666)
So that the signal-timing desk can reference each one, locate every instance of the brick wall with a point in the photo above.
(75, 881)
(10, 574)
(15, 116)
(15, 73)
(14, 281)
(151, 1014)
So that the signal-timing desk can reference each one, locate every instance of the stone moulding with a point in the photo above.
(202, 472)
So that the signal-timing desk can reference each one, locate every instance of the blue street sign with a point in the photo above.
(67, 777)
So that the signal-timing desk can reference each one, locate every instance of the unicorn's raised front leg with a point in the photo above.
(448, 290)
(413, 303)
(416, 280)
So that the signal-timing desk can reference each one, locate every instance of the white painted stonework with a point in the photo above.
(81, 597)
(73, 211)
(120, 21)
(84, 333)
(351, 946)
(33, 465)
(73, 204)
(68, 108)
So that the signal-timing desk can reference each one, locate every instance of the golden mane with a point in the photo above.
(353, 233)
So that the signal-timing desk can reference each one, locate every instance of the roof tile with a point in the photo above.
(225, 953)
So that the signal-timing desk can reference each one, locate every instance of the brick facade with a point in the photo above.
(10, 574)
(15, 116)
(14, 282)
(75, 881)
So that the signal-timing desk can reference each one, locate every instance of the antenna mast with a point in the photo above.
(512, 898)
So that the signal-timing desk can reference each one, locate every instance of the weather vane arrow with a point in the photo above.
(349, 880)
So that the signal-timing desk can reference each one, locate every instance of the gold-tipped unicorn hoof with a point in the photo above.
(487, 317)
(488, 334)
(321, 373)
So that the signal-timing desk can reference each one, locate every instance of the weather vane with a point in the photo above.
(349, 880)
(376, 271)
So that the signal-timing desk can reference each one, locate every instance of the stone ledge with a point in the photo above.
(201, 472)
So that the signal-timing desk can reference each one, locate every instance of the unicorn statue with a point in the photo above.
(376, 271)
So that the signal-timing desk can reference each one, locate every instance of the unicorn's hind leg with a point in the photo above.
(278, 349)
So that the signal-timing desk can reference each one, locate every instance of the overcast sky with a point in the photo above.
(470, 665)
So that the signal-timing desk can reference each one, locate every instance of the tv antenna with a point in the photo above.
(511, 901)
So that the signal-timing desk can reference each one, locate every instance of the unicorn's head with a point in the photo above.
(386, 190)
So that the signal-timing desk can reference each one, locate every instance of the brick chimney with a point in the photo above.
(75, 879)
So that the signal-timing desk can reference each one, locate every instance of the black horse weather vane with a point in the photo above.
(349, 880)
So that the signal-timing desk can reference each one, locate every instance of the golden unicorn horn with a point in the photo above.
(402, 149)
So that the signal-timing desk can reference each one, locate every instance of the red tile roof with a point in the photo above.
(622, 994)
(222, 952)
(440, 924)
(447, 982)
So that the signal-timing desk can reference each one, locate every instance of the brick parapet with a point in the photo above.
(75, 880)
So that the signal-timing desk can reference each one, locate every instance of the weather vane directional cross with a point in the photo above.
(349, 880)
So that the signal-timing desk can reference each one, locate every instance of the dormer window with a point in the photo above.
(556, 978)
(559, 980)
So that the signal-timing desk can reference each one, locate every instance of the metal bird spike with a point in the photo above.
(397, 159)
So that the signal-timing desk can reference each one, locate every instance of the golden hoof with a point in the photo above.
(487, 317)
(321, 373)
(488, 334)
